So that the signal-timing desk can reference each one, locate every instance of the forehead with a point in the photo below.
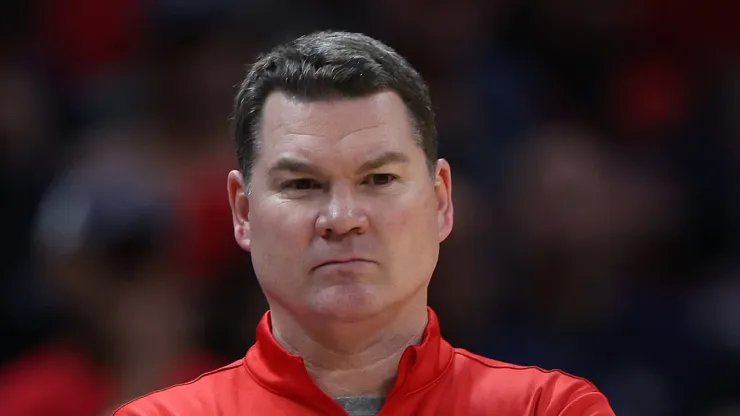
(336, 126)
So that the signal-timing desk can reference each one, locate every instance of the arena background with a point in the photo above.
(595, 148)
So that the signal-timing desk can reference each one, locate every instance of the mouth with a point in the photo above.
(341, 263)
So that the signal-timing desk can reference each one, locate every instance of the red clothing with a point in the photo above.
(55, 379)
(58, 379)
(433, 379)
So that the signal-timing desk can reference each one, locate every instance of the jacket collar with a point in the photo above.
(285, 374)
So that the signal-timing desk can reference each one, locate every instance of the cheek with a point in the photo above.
(279, 232)
(407, 226)
(410, 236)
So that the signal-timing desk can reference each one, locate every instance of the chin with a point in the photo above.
(347, 302)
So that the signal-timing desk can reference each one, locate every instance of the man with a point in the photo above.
(342, 203)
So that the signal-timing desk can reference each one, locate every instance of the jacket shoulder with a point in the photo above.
(193, 397)
(550, 391)
(530, 374)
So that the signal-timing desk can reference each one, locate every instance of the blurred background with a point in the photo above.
(596, 155)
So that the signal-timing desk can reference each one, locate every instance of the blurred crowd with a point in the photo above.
(595, 148)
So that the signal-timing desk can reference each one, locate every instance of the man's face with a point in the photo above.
(343, 218)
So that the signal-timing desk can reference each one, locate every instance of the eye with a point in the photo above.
(302, 184)
(381, 179)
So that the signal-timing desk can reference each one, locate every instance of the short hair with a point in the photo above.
(325, 65)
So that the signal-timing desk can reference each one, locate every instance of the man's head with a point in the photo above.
(340, 198)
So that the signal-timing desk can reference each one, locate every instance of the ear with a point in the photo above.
(443, 195)
(239, 201)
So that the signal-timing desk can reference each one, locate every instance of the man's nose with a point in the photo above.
(342, 214)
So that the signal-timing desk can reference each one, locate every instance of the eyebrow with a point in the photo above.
(386, 158)
(288, 164)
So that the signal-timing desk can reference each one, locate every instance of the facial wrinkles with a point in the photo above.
(311, 122)
(345, 144)
(317, 121)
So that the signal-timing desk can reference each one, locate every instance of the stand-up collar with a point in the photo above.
(285, 374)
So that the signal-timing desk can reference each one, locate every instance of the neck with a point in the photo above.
(352, 359)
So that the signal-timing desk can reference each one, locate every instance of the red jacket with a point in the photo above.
(433, 379)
